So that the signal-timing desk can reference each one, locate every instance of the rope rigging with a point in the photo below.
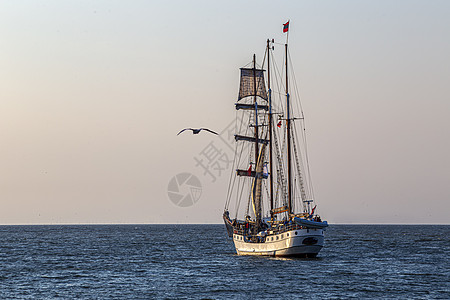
(259, 118)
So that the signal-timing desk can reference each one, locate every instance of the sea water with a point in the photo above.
(199, 262)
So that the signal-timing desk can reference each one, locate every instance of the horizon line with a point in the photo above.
(92, 224)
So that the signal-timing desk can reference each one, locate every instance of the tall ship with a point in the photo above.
(270, 207)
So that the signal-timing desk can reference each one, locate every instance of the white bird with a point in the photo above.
(197, 131)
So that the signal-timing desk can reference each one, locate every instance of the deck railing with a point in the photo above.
(270, 231)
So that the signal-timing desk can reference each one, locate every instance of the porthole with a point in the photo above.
(277, 237)
(287, 234)
(296, 233)
(310, 241)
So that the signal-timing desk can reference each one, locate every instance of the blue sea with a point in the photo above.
(199, 262)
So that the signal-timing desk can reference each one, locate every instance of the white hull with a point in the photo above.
(299, 242)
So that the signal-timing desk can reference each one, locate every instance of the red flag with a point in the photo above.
(286, 27)
(279, 124)
(249, 172)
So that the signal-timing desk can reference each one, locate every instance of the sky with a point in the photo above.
(93, 94)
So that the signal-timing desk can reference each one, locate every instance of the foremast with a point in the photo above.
(252, 85)
(256, 190)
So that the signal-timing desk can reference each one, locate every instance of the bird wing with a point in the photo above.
(210, 131)
(184, 130)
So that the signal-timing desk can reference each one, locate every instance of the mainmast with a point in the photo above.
(288, 129)
(270, 129)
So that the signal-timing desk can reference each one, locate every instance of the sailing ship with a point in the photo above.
(270, 208)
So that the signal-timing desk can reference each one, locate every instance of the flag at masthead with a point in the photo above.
(286, 27)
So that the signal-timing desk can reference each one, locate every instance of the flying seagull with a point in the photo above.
(196, 131)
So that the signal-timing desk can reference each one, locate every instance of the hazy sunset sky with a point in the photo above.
(93, 93)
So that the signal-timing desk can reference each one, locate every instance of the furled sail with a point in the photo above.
(238, 137)
(257, 185)
(247, 87)
(251, 106)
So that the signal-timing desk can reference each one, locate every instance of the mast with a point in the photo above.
(288, 129)
(256, 195)
(270, 129)
(256, 109)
